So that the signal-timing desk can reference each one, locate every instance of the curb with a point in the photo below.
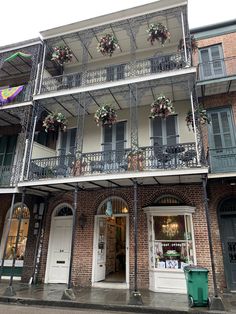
(110, 307)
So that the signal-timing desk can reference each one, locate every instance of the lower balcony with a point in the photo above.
(148, 158)
(222, 160)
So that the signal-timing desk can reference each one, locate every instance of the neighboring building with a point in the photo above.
(216, 83)
(103, 176)
(18, 72)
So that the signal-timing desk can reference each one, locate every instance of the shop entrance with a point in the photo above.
(111, 250)
(227, 222)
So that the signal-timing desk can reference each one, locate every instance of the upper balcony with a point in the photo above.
(217, 76)
(18, 72)
(135, 59)
(222, 160)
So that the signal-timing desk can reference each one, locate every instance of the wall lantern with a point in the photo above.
(82, 220)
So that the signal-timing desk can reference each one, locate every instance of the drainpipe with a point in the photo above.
(216, 302)
(68, 294)
(10, 290)
(7, 234)
(135, 298)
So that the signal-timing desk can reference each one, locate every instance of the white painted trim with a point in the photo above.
(169, 210)
(9, 190)
(19, 46)
(20, 104)
(82, 89)
(221, 175)
(127, 175)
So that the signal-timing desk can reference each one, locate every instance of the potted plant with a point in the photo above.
(161, 107)
(54, 122)
(105, 115)
(107, 44)
(158, 32)
(191, 43)
(135, 159)
(200, 116)
(62, 55)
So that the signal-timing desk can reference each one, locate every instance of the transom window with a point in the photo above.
(117, 205)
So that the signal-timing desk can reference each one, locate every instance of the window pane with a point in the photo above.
(227, 138)
(72, 140)
(169, 227)
(224, 122)
(217, 141)
(215, 123)
(215, 52)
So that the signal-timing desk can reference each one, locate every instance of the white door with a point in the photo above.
(60, 249)
(100, 263)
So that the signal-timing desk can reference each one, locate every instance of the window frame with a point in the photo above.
(155, 211)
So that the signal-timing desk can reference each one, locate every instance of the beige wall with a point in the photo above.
(93, 134)
(40, 151)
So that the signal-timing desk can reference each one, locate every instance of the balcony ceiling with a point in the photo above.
(217, 86)
(119, 97)
(78, 40)
(110, 183)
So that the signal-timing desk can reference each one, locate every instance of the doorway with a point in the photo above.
(111, 250)
(59, 249)
(227, 219)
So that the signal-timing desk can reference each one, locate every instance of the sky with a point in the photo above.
(24, 19)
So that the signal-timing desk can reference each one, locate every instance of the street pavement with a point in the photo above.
(20, 309)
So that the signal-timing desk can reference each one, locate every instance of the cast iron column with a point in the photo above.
(136, 295)
(68, 294)
(8, 231)
(216, 302)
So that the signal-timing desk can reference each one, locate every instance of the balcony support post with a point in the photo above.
(216, 302)
(7, 233)
(195, 128)
(69, 294)
(184, 38)
(85, 38)
(133, 98)
(10, 290)
(42, 69)
(135, 298)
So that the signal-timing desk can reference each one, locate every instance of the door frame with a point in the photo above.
(95, 239)
(224, 258)
(49, 251)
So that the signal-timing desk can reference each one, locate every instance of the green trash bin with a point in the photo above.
(197, 285)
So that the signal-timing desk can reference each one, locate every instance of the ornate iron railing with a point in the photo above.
(23, 96)
(7, 176)
(217, 68)
(147, 158)
(222, 160)
(116, 72)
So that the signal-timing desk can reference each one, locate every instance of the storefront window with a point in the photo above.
(171, 244)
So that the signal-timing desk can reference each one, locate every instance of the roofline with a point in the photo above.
(132, 12)
(213, 26)
(21, 44)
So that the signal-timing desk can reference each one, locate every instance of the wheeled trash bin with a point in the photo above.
(197, 285)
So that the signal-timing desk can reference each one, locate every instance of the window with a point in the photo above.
(164, 131)
(114, 139)
(115, 73)
(221, 129)
(211, 62)
(68, 142)
(7, 149)
(171, 244)
(47, 139)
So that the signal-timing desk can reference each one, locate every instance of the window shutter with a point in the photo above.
(110, 74)
(171, 133)
(120, 71)
(157, 131)
(72, 140)
(107, 137)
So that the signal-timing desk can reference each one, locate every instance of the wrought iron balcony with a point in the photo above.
(6, 176)
(219, 68)
(23, 96)
(147, 158)
(222, 160)
(116, 72)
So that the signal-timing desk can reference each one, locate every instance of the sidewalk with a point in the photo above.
(110, 299)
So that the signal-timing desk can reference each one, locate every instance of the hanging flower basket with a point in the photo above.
(158, 32)
(107, 45)
(106, 115)
(200, 116)
(62, 55)
(190, 44)
(55, 122)
(161, 107)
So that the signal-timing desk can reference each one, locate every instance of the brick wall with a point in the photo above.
(88, 202)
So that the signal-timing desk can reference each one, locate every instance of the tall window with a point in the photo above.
(68, 141)
(114, 138)
(222, 133)
(164, 131)
(211, 62)
(116, 72)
